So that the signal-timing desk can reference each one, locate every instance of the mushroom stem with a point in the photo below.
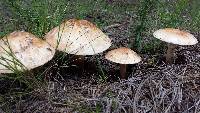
(82, 62)
(79, 61)
(170, 53)
(123, 71)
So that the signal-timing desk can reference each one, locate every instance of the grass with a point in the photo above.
(173, 18)
(38, 17)
(35, 16)
(9, 60)
(146, 16)
(143, 12)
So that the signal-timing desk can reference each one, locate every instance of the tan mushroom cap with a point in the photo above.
(78, 37)
(123, 56)
(175, 36)
(29, 50)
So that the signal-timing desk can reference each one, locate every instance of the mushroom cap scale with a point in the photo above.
(29, 50)
(175, 36)
(123, 56)
(78, 37)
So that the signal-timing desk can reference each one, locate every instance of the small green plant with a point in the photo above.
(102, 77)
(152, 46)
(19, 73)
(20, 76)
(9, 60)
(144, 9)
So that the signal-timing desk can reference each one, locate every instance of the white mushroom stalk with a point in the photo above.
(174, 37)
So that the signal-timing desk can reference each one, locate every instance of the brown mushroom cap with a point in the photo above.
(78, 37)
(26, 48)
(175, 36)
(123, 56)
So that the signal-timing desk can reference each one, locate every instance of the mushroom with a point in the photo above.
(78, 37)
(174, 37)
(23, 51)
(123, 56)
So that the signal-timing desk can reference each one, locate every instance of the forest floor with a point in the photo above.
(152, 86)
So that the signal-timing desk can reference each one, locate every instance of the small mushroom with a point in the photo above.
(174, 37)
(123, 56)
(22, 50)
(78, 37)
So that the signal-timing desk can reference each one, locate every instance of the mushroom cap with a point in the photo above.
(123, 56)
(78, 37)
(27, 51)
(175, 36)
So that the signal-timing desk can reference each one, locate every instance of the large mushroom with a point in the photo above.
(123, 56)
(23, 51)
(174, 37)
(78, 37)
